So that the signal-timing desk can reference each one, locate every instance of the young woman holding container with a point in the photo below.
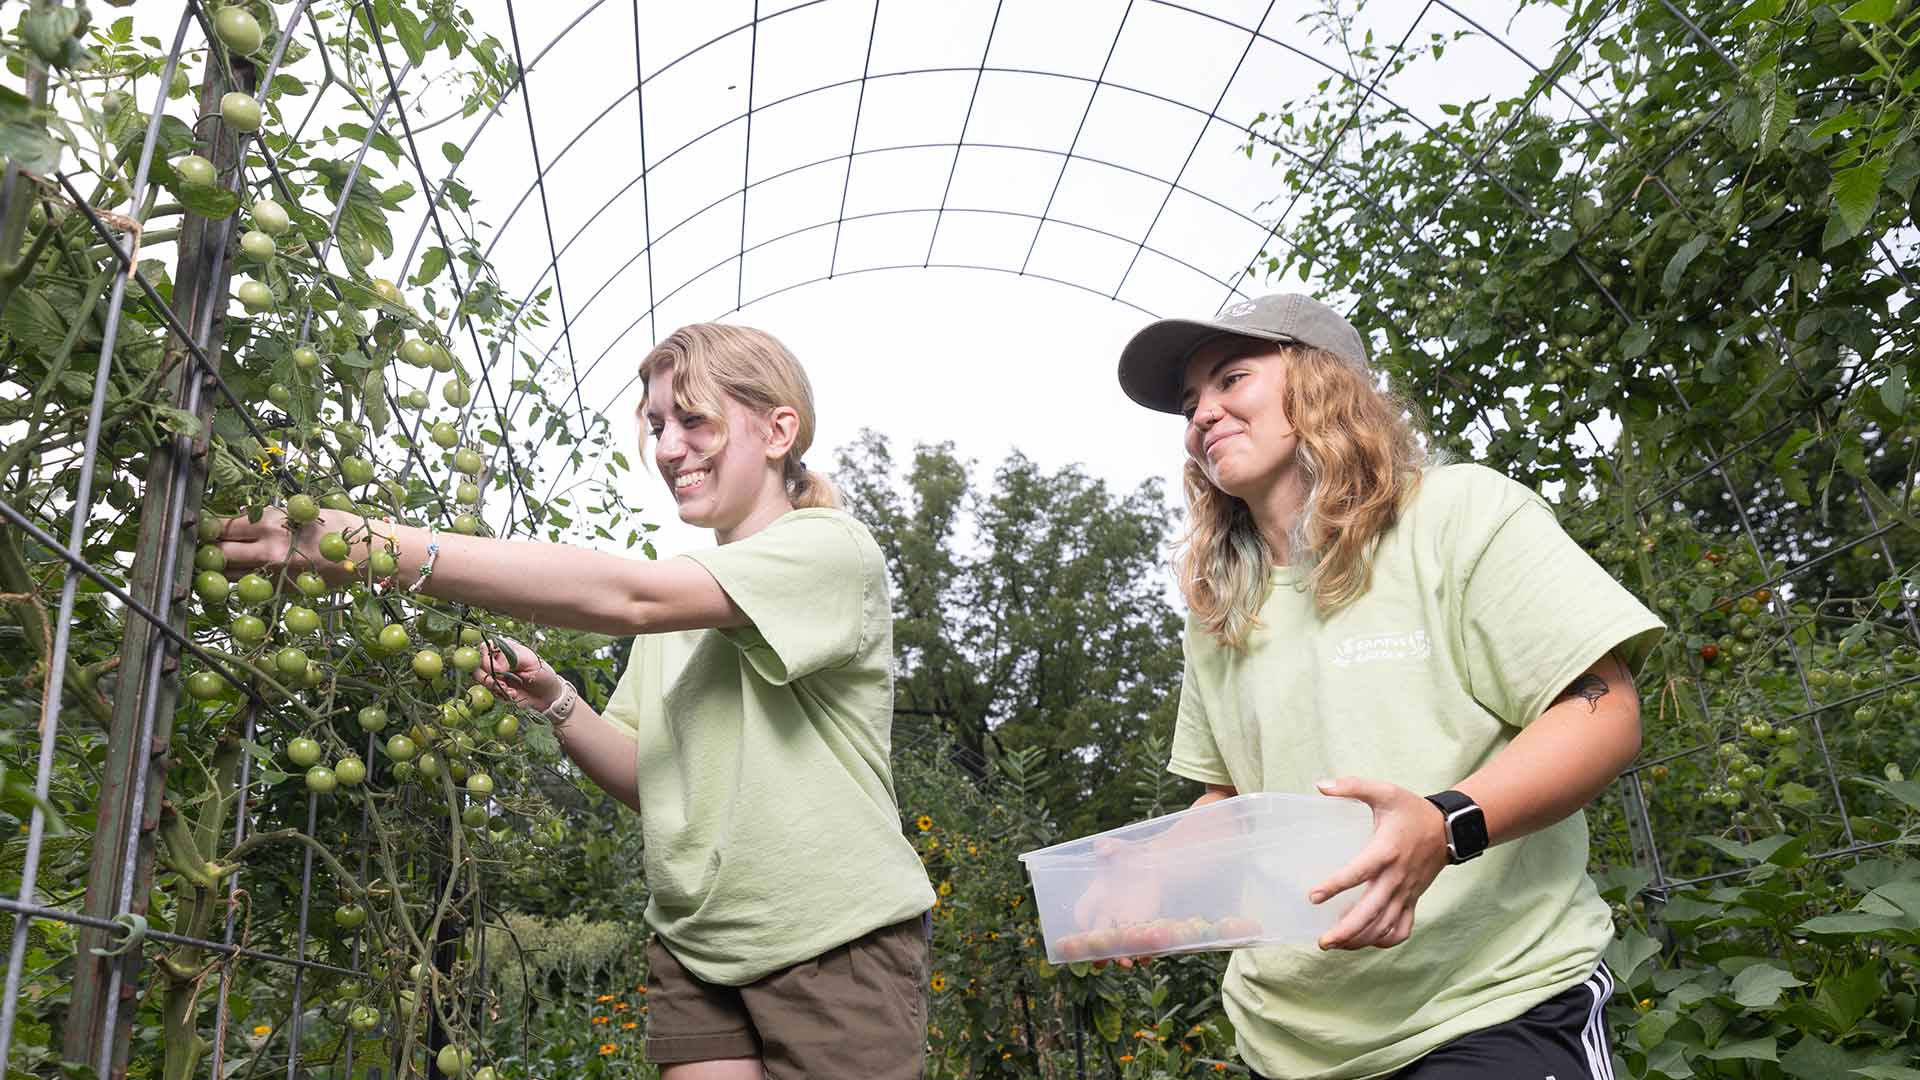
(1424, 639)
(751, 729)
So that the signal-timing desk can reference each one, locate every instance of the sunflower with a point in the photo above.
(938, 983)
(923, 823)
(946, 888)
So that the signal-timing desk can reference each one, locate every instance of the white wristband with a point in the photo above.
(562, 707)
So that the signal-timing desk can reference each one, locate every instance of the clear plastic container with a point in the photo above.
(1227, 875)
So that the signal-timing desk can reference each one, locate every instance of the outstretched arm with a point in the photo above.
(551, 584)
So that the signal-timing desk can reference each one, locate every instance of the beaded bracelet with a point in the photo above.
(426, 568)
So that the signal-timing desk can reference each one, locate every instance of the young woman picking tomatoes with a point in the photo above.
(1428, 637)
(751, 728)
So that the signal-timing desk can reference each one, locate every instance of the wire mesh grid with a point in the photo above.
(193, 309)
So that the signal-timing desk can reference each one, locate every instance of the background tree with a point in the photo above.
(1030, 612)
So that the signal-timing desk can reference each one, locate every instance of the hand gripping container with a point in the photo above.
(1227, 875)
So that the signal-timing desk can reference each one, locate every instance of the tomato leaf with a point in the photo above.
(1758, 11)
(24, 139)
(1855, 193)
(1677, 266)
(1869, 11)
(1760, 987)
(208, 202)
(431, 264)
(1893, 392)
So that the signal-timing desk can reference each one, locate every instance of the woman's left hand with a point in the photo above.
(1408, 850)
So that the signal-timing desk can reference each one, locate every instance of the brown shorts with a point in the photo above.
(858, 1010)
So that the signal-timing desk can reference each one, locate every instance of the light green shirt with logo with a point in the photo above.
(768, 813)
(1481, 611)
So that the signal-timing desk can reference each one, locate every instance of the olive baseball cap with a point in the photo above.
(1154, 363)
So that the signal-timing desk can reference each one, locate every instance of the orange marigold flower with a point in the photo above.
(603, 998)
(599, 1019)
(1219, 1066)
(639, 989)
(620, 1007)
(1124, 1058)
(260, 1030)
(608, 1048)
(629, 1025)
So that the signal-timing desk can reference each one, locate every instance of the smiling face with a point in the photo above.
(724, 472)
(1238, 432)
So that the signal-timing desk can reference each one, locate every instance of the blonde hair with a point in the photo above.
(712, 360)
(1362, 458)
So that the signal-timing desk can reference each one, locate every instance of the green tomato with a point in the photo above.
(480, 698)
(445, 435)
(507, 728)
(456, 393)
(416, 352)
(356, 471)
(210, 557)
(194, 171)
(255, 296)
(310, 583)
(383, 563)
(372, 718)
(466, 658)
(254, 589)
(237, 29)
(279, 394)
(393, 637)
(300, 619)
(291, 661)
(207, 529)
(334, 547)
(364, 1018)
(427, 664)
(249, 629)
(401, 748)
(301, 509)
(302, 751)
(269, 217)
(474, 816)
(453, 1060)
(480, 784)
(417, 399)
(241, 112)
(388, 293)
(471, 635)
(210, 586)
(321, 781)
(429, 765)
(350, 771)
(349, 917)
(466, 524)
(442, 359)
(468, 460)
(467, 494)
(205, 686)
(306, 358)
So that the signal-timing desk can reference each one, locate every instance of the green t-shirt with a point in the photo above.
(1480, 612)
(766, 789)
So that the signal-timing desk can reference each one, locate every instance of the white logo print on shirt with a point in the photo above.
(1380, 648)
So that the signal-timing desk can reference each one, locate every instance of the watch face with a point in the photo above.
(1468, 831)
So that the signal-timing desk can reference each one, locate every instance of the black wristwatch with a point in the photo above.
(1466, 826)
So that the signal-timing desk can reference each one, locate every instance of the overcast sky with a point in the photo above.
(990, 359)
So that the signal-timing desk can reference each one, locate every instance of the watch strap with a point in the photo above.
(1462, 843)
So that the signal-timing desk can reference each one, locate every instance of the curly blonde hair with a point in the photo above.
(1362, 457)
(711, 360)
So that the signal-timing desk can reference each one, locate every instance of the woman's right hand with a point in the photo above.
(1121, 894)
(513, 671)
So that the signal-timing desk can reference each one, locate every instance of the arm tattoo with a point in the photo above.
(1588, 686)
